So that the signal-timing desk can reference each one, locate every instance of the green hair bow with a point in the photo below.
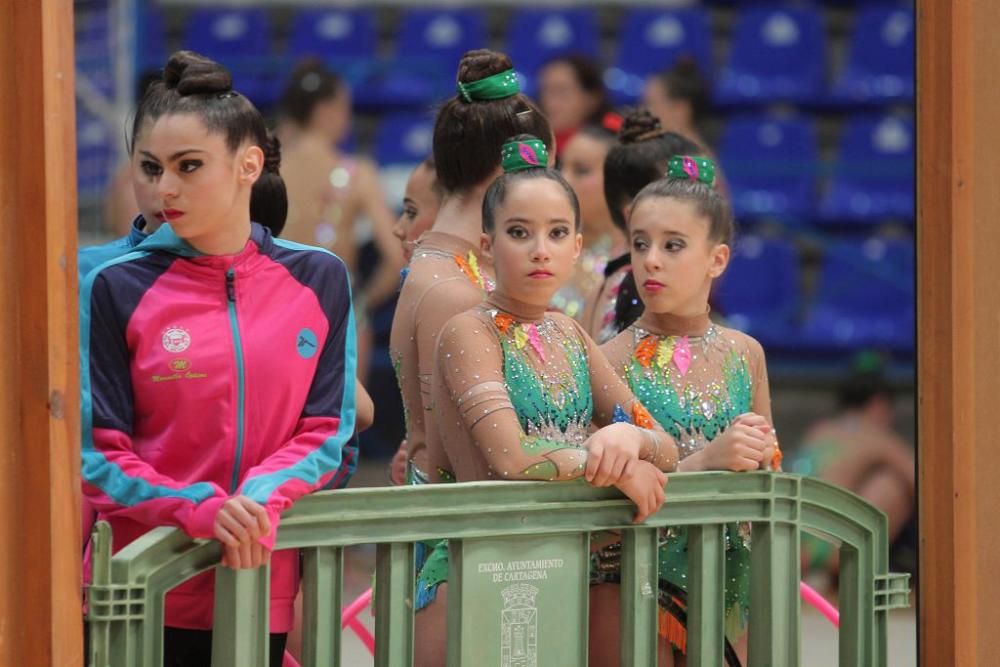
(527, 154)
(685, 167)
(495, 87)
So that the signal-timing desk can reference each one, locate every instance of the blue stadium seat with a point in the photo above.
(769, 165)
(865, 296)
(92, 51)
(536, 36)
(759, 292)
(228, 33)
(151, 39)
(651, 40)
(404, 139)
(443, 34)
(345, 39)
(777, 54)
(240, 39)
(873, 175)
(880, 59)
(429, 45)
(333, 34)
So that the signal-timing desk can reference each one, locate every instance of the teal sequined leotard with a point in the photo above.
(516, 398)
(695, 387)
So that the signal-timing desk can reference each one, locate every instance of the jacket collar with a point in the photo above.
(165, 240)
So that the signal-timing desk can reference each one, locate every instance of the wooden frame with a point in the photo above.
(40, 622)
(958, 237)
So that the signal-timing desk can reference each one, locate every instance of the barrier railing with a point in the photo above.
(519, 573)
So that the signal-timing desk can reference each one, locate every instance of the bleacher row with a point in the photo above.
(776, 53)
(863, 296)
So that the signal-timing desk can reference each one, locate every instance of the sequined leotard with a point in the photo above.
(696, 378)
(445, 279)
(516, 392)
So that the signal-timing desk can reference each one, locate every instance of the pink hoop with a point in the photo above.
(819, 602)
(348, 619)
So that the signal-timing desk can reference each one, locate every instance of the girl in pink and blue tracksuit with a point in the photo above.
(213, 382)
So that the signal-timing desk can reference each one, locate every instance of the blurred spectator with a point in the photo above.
(329, 191)
(859, 449)
(571, 92)
(421, 202)
(679, 97)
(582, 164)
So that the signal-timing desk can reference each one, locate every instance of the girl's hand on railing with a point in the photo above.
(770, 437)
(643, 483)
(609, 451)
(245, 556)
(239, 525)
(741, 447)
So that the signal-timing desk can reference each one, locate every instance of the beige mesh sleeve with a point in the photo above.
(470, 364)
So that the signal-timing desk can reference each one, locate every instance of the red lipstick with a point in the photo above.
(653, 285)
(168, 214)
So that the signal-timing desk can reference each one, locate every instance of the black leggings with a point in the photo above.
(193, 648)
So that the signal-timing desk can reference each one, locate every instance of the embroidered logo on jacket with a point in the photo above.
(176, 340)
(180, 369)
(306, 343)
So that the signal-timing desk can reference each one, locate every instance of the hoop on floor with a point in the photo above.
(348, 619)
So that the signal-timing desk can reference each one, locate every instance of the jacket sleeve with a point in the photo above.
(321, 451)
(116, 480)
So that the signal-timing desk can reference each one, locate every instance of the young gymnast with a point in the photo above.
(522, 393)
(447, 274)
(703, 383)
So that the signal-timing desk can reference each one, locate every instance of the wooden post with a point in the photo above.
(958, 235)
(40, 621)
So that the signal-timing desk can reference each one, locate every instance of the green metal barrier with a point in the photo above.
(518, 587)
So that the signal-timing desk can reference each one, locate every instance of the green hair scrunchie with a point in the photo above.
(495, 87)
(527, 154)
(685, 167)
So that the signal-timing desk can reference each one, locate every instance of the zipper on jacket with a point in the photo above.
(240, 383)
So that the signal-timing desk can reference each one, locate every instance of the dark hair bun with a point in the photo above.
(638, 125)
(272, 153)
(191, 74)
(481, 63)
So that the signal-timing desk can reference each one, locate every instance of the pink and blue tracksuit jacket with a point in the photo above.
(206, 377)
